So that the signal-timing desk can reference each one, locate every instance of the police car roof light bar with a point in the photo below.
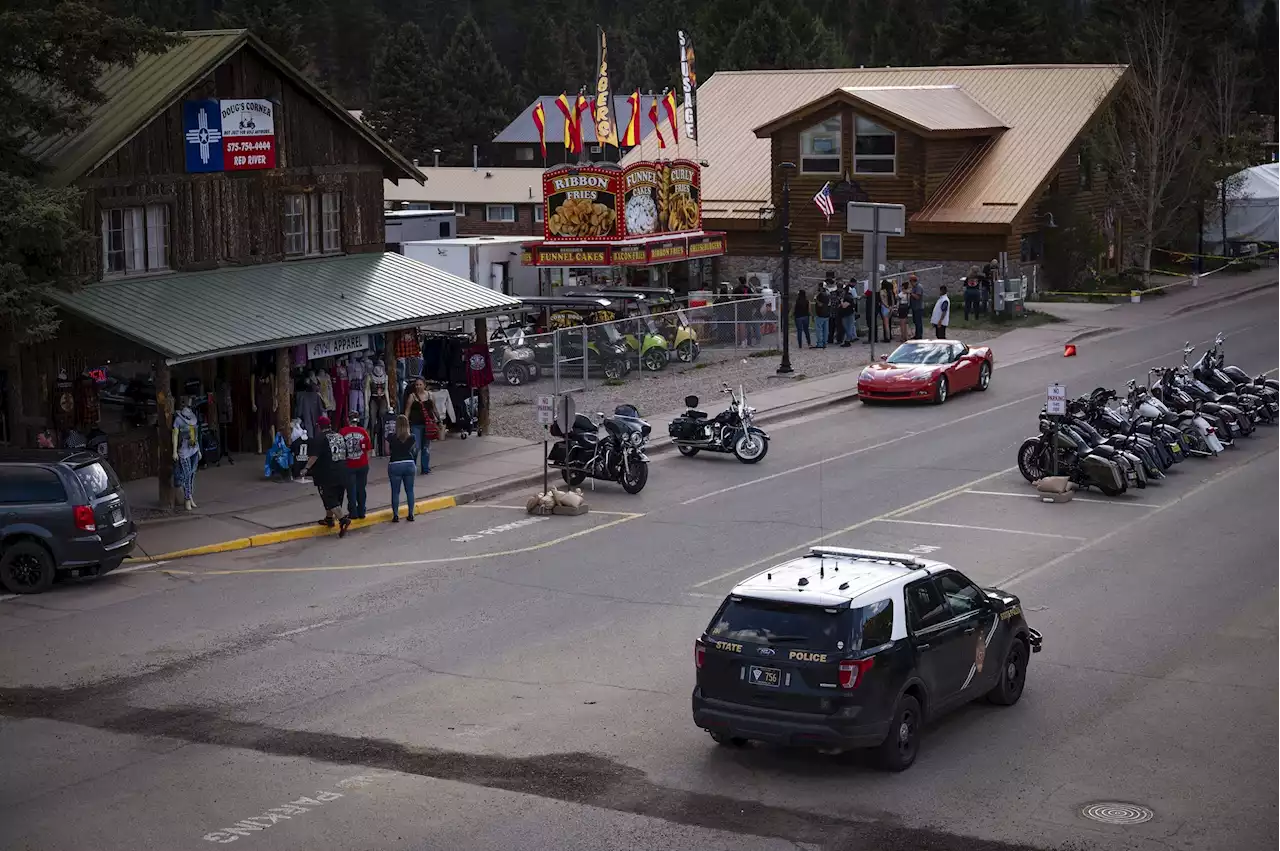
(870, 555)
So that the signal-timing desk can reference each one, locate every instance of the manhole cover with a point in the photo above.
(1113, 812)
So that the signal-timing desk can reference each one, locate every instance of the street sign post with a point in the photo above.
(546, 413)
(876, 221)
(1055, 405)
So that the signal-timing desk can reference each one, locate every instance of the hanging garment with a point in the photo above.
(341, 389)
(326, 390)
(407, 345)
(378, 410)
(479, 368)
(357, 368)
(264, 400)
(87, 401)
(225, 407)
(444, 406)
(309, 410)
(279, 458)
(355, 400)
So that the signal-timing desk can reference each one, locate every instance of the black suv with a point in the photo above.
(849, 648)
(61, 513)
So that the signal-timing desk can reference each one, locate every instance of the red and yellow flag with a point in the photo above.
(631, 134)
(653, 116)
(540, 121)
(669, 104)
(583, 106)
(562, 103)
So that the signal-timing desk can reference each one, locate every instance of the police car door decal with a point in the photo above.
(980, 653)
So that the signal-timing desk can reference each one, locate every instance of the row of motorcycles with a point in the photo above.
(1112, 443)
(618, 454)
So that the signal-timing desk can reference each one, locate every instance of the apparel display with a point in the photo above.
(264, 408)
(186, 451)
(379, 404)
(357, 370)
(326, 391)
(307, 407)
(341, 391)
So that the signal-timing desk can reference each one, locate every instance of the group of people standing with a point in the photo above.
(879, 308)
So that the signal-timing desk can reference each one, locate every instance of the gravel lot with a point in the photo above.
(512, 412)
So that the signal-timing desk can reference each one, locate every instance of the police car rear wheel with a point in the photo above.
(728, 741)
(898, 751)
(1013, 677)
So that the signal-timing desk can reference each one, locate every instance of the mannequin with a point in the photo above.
(308, 407)
(379, 403)
(341, 386)
(263, 402)
(357, 373)
(223, 400)
(186, 451)
(326, 392)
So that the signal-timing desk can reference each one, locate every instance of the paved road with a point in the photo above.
(479, 681)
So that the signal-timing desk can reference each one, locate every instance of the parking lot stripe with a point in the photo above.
(927, 501)
(1073, 499)
(981, 528)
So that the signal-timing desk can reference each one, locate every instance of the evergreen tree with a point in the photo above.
(990, 32)
(633, 72)
(478, 97)
(405, 102)
(764, 40)
(52, 55)
(1264, 60)
(556, 58)
(273, 21)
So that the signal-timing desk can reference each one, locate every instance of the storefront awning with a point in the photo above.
(197, 315)
(640, 251)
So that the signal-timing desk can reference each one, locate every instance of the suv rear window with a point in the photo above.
(29, 486)
(787, 624)
(97, 479)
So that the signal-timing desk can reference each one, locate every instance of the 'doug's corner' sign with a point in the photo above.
(229, 135)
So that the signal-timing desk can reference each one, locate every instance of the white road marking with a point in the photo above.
(981, 528)
(859, 451)
(4, 597)
(925, 549)
(497, 530)
(136, 567)
(526, 509)
(702, 596)
(1073, 499)
(924, 503)
(302, 629)
(284, 812)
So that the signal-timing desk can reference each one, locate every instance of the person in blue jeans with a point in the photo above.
(401, 468)
(420, 411)
(801, 316)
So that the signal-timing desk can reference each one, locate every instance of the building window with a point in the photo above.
(445, 230)
(875, 148)
(1084, 165)
(537, 213)
(312, 224)
(135, 240)
(460, 209)
(524, 155)
(820, 148)
(830, 248)
(499, 213)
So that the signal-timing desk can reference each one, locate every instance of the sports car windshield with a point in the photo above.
(921, 353)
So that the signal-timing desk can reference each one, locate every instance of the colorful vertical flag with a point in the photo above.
(582, 107)
(824, 202)
(669, 104)
(570, 118)
(657, 126)
(631, 135)
(689, 82)
(540, 121)
(602, 106)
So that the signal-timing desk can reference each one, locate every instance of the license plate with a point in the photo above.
(117, 517)
(771, 677)
(1173, 447)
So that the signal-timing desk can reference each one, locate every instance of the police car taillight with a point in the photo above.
(699, 653)
(853, 670)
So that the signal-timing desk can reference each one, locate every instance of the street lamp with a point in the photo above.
(784, 368)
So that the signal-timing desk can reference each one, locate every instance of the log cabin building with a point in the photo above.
(236, 214)
(979, 156)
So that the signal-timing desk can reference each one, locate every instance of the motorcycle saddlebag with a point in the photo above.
(684, 429)
(556, 455)
(1103, 471)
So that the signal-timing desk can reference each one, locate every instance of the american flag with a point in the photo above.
(823, 200)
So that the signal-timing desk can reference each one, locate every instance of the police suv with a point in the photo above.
(848, 648)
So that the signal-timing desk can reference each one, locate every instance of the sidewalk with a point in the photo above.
(239, 508)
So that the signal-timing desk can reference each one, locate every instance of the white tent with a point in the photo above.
(1253, 214)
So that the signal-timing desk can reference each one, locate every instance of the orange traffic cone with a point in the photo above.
(1069, 351)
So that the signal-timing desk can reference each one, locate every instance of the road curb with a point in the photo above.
(1224, 298)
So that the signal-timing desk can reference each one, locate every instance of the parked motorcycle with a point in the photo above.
(1150, 417)
(730, 431)
(1232, 379)
(1194, 422)
(1122, 433)
(1260, 410)
(1082, 464)
(1131, 460)
(618, 456)
(1237, 421)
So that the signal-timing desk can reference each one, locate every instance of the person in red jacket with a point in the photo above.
(358, 447)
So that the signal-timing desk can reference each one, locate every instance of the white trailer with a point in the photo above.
(490, 261)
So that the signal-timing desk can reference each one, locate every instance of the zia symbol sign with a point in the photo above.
(229, 135)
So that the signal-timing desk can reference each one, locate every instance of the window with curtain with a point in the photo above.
(312, 224)
(295, 225)
(875, 148)
(331, 222)
(135, 240)
(499, 213)
(820, 148)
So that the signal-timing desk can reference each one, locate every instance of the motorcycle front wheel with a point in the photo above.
(1030, 459)
(634, 476)
(750, 448)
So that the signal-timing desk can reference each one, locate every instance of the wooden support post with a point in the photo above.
(164, 433)
(393, 372)
(482, 339)
(284, 390)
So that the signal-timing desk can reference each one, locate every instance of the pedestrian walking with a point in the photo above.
(972, 291)
(888, 305)
(403, 449)
(821, 317)
(904, 308)
(917, 306)
(358, 445)
(329, 470)
(421, 412)
(801, 316)
(846, 313)
(941, 313)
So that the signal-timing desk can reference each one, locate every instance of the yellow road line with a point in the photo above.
(411, 563)
(924, 503)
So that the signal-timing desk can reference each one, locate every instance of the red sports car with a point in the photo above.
(926, 370)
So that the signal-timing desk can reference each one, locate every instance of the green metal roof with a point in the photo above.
(197, 315)
(133, 97)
